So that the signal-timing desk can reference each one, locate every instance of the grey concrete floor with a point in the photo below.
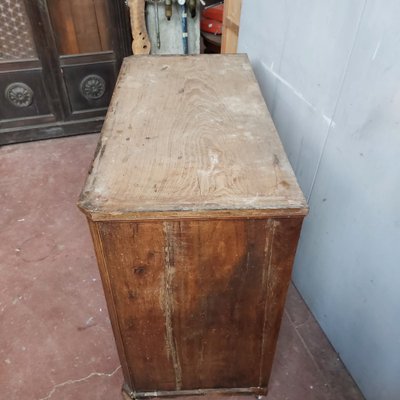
(55, 335)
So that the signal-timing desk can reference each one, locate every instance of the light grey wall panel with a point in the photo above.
(300, 50)
(336, 102)
(265, 30)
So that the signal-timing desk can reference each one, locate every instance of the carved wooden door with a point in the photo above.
(59, 60)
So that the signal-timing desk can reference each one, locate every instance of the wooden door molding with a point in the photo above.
(47, 52)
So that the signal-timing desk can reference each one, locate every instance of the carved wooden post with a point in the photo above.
(141, 43)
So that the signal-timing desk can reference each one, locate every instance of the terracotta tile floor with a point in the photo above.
(55, 335)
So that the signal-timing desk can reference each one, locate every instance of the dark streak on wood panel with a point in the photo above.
(168, 305)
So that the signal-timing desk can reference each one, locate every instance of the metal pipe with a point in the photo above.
(157, 24)
(182, 5)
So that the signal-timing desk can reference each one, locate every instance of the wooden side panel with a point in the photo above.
(135, 257)
(286, 233)
(198, 303)
(108, 292)
(219, 300)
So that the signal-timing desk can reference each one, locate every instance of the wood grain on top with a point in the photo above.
(189, 137)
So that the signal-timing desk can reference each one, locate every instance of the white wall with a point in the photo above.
(330, 73)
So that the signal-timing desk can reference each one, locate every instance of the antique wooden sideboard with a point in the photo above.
(195, 215)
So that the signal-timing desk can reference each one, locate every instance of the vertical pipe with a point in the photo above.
(182, 4)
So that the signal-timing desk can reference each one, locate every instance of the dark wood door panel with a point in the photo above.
(90, 86)
(61, 58)
(22, 95)
(81, 26)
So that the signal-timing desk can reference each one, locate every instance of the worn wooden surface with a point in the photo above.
(189, 137)
(196, 304)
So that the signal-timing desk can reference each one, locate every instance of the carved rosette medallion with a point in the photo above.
(93, 87)
(19, 94)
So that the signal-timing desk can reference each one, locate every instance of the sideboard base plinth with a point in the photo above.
(129, 394)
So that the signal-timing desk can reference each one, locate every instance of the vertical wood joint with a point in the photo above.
(106, 281)
(268, 249)
(168, 304)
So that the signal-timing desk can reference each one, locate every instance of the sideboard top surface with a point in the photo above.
(189, 137)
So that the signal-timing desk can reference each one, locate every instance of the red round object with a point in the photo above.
(216, 12)
(211, 26)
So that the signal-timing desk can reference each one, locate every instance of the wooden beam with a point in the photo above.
(230, 31)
